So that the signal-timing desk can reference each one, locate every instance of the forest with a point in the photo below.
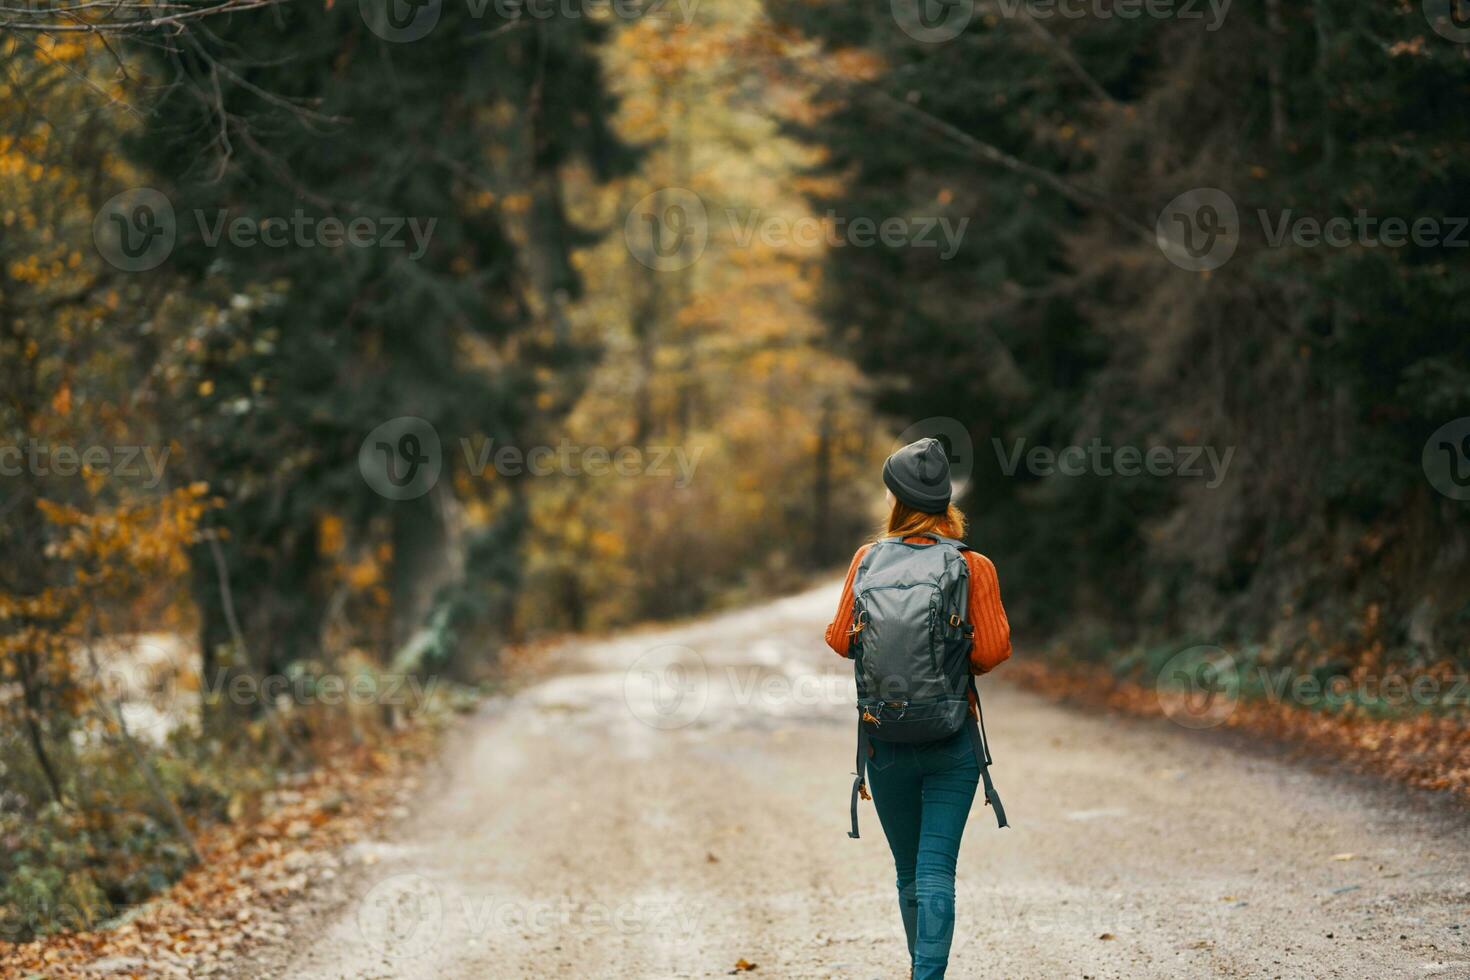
(356, 347)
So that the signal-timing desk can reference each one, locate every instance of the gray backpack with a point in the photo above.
(911, 652)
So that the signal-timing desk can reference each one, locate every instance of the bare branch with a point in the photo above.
(1064, 54)
(117, 17)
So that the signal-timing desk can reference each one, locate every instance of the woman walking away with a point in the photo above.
(920, 614)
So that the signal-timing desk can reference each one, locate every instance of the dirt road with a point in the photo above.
(676, 801)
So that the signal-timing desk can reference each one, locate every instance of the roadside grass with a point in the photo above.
(113, 843)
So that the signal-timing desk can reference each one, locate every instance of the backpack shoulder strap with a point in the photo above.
(857, 577)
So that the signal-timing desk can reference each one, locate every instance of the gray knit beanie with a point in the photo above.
(918, 475)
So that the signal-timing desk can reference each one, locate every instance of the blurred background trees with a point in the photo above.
(1058, 322)
(248, 376)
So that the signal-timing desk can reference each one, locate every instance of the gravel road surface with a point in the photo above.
(670, 803)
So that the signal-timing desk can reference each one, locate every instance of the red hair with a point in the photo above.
(904, 521)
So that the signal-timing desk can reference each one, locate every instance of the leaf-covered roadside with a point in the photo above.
(253, 872)
(1423, 749)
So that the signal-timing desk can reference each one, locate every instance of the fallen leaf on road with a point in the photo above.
(743, 965)
(1107, 935)
(1344, 857)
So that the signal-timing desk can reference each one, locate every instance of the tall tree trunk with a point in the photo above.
(1324, 92)
(31, 696)
(822, 487)
(420, 564)
(1274, 55)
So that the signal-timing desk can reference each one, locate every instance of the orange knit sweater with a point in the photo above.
(992, 630)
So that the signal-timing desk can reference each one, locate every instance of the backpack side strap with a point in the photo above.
(859, 783)
(982, 757)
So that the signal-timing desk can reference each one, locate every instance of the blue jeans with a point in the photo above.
(923, 794)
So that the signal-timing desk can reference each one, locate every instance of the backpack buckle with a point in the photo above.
(955, 621)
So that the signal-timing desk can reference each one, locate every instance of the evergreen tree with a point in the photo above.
(1062, 320)
(452, 144)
